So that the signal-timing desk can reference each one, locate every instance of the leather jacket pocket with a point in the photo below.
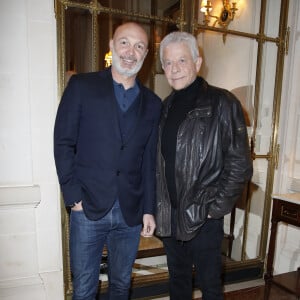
(195, 216)
(196, 209)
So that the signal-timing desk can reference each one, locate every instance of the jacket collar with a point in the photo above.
(202, 87)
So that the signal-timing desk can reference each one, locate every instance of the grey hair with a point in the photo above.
(179, 37)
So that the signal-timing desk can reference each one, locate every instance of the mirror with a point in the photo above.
(243, 61)
(86, 36)
(240, 58)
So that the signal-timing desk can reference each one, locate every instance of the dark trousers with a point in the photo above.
(204, 254)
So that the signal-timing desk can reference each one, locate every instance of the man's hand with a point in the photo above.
(148, 225)
(77, 206)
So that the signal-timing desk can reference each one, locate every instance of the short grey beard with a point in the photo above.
(125, 72)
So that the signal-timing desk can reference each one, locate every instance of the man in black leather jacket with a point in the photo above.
(203, 165)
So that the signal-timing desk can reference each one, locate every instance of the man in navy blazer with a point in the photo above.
(105, 139)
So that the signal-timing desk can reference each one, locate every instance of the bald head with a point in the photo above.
(134, 29)
(129, 47)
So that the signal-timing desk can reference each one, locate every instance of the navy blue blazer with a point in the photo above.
(93, 163)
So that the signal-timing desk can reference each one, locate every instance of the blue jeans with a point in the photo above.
(203, 253)
(87, 239)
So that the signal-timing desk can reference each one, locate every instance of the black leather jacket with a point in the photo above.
(212, 163)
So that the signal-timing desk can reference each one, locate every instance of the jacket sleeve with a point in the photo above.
(149, 164)
(237, 163)
(65, 138)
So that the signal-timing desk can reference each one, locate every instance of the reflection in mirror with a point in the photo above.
(78, 33)
(80, 43)
(265, 111)
(256, 208)
(236, 71)
(225, 67)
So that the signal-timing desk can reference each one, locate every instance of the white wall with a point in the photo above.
(30, 230)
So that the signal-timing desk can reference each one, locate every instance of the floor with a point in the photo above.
(251, 290)
(228, 289)
(156, 267)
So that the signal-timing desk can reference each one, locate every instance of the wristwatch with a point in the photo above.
(72, 205)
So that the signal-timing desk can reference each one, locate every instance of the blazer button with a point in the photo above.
(118, 172)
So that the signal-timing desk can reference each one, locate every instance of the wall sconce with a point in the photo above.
(108, 59)
(226, 16)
